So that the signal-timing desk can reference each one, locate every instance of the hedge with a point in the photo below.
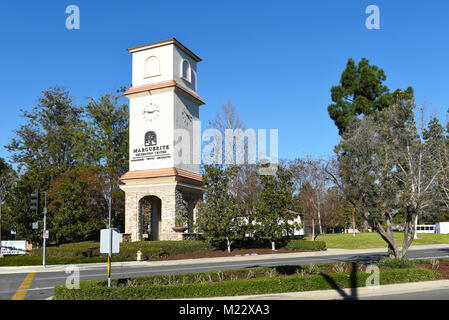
(36, 260)
(396, 263)
(213, 276)
(294, 283)
(128, 250)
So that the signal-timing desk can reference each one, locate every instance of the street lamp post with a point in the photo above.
(44, 235)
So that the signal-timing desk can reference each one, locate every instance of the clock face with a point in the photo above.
(151, 112)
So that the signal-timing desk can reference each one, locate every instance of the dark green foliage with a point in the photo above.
(7, 179)
(274, 219)
(360, 92)
(16, 213)
(128, 250)
(220, 214)
(396, 263)
(57, 141)
(77, 206)
(109, 146)
(436, 138)
(152, 249)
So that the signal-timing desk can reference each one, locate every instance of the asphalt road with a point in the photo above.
(438, 294)
(42, 286)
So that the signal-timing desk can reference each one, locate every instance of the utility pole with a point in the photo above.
(44, 235)
(110, 238)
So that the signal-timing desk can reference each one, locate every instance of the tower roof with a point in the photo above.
(164, 43)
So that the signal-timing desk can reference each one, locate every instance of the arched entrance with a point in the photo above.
(150, 217)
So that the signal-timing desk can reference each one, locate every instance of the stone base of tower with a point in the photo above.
(153, 199)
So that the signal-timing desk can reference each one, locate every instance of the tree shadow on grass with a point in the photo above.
(353, 284)
(353, 295)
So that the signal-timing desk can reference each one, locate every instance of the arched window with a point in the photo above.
(185, 70)
(152, 67)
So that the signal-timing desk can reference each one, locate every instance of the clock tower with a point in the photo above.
(164, 183)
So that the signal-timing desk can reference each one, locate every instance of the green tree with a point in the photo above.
(52, 141)
(220, 214)
(108, 124)
(77, 205)
(384, 160)
(274, 217)
(17, 214)
(7, 179)
(361, 92)
(436, 139)
(54, 137)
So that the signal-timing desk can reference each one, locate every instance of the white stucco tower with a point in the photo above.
(164, 178)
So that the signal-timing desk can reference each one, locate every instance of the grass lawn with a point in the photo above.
(89, 252)
(373, 240)
(37, 261)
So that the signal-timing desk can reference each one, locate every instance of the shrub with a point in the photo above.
(339, 267)
(193, 237)
(78, 249)
(396, 263)
(128, 250)
(155, 249)
(435, 263)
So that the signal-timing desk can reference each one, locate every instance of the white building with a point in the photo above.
(439, 227)
(442, 227)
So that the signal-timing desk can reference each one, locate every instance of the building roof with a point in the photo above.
(158, 173)
(164, 43)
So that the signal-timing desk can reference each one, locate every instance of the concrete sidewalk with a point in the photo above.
(389, 289)
(92, 266)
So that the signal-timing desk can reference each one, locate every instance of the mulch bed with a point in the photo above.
(443, 269)
(223, 253)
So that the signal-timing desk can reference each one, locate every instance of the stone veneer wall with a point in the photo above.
(168, 196)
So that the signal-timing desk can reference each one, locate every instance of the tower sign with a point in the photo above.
(160, 189)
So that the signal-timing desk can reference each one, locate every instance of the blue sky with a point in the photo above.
(276, 61)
